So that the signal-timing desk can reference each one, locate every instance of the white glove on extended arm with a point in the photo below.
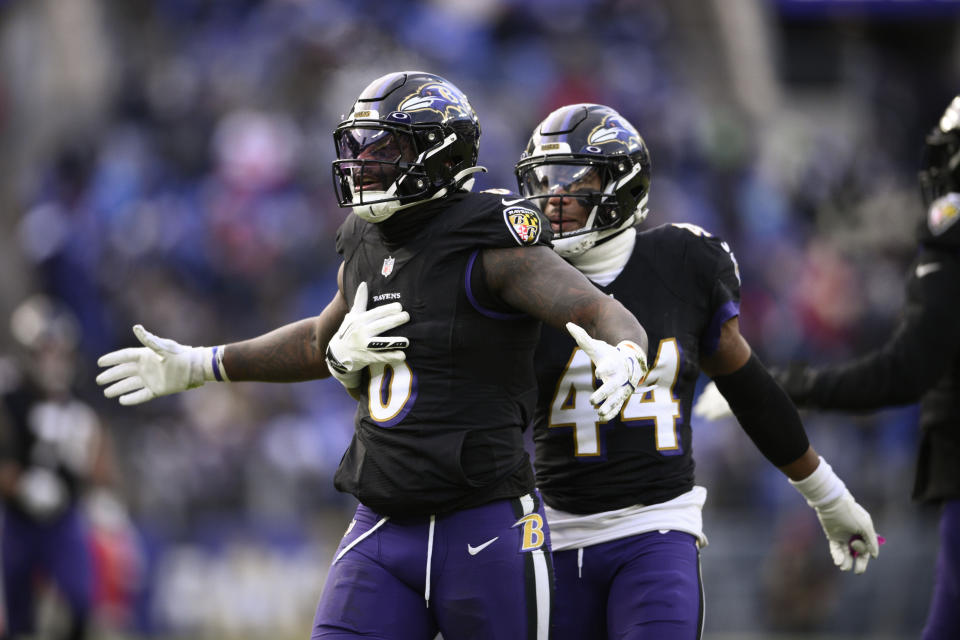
(158, 368)
(620, 369)
(848, 526)
(711, 405)
(358, 343)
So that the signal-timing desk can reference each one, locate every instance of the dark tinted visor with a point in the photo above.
(368, 144)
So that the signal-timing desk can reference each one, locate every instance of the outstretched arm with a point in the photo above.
(539, 282)
(916, 356)
(763, 409)
(766, 414)
(292, 353)
(338, 342)
(161, 366)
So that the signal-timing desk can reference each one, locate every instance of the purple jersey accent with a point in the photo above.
(711, 337)
(482, 583)
(216, 365)
(644, 586)
(943, 620)
(490, 313)
(58, 551)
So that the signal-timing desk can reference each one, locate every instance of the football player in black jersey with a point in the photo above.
(53, 451)
(921, 362)
(623, 509)
(450, 534)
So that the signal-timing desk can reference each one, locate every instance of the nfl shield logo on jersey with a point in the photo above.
(387, 267)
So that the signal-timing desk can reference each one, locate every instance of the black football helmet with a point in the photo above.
(409, 138)
(940, 172)
(47, 335)
(573, 147)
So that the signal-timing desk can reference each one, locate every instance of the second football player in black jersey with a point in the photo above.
(622, 504)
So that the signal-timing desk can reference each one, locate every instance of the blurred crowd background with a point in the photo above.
(168, 162)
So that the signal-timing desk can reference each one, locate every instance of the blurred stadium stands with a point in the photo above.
(168, 162)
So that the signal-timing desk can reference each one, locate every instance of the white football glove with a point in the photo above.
(158, 368)
(848, 526)
(358, 343)
(42, 493)
(620, 369)
(711, 405)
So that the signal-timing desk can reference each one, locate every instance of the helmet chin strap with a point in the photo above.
(378, 211)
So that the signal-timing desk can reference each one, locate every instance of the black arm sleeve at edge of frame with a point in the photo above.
(765, 412)
(911, 362)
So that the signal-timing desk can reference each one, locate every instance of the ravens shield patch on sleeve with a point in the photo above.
(943, 213)
(524, 224)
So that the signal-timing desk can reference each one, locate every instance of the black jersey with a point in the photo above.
(682, 284)
(920, 362)
(57, 435)
(443, 430)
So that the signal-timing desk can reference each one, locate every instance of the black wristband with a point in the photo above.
(765, 412)
(335, 364)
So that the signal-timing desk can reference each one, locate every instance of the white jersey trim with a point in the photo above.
(683, 513)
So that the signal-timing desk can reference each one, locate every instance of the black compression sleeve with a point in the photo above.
(923, 348)
(765, 412)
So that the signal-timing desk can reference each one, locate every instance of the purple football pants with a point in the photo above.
(477, 573)
(943, 620)
(58, 552)
(641, 587)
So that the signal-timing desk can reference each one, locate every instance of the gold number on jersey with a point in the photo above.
(571, 408)
(389, 390)
(659, 404)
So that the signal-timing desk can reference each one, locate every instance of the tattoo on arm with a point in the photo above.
(537, 281)
(288, 354)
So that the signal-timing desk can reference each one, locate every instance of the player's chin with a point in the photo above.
(564, 227)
